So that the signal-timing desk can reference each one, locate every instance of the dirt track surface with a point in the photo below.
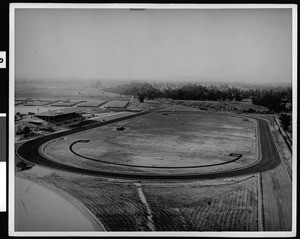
(269, 156)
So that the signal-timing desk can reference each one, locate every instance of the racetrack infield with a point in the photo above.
(161, 143)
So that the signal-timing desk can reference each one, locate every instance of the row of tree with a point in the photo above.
(274, 99)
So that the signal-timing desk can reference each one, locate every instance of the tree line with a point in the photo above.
(274, 99)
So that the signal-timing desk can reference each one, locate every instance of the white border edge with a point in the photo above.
(11, 93)
(14, 6)
(294, 116)
(145, 6)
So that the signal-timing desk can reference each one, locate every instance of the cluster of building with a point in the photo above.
(70, 103)
(66, 115)
(43, 114)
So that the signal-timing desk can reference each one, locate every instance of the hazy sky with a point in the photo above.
(238, 45)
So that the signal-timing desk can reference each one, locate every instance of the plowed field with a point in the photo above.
(192, 206)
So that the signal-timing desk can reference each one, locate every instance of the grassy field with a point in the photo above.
(162, 140)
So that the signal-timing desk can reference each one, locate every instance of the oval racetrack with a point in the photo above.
(269, 156)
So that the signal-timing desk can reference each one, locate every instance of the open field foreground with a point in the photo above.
(168, 142)
(212, 205)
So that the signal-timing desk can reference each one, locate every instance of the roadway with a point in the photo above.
(269, 156)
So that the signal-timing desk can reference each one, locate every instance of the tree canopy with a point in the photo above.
(274, 99)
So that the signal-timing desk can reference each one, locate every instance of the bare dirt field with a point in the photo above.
(209, 205)
(161, 140)
(230, 206)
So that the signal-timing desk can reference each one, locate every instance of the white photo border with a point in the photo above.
(11, 203)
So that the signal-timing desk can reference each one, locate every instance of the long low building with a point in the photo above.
(116, 104)
(61, 115)
(64, 104)
(92, 103)
(36, 103)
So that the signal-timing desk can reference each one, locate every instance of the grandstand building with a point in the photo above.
(66, 115)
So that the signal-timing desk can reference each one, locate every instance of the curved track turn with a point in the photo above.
(269, 156)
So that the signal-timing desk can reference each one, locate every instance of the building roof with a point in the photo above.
(36, 103)
(116, 104)
(66, 104)
(32, 119)
(63, 111)
(92, 103)
(22, 99)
